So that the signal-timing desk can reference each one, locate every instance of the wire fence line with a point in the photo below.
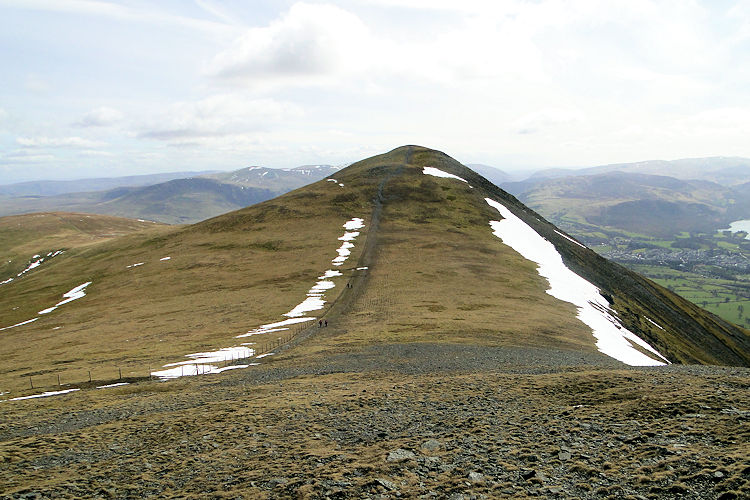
(93, 378)
(129, 373)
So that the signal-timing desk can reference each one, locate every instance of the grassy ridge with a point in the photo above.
(437, 274)
(224, 277)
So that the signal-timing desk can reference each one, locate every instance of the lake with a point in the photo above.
(740, 225)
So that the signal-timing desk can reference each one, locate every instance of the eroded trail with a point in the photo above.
(359, 277)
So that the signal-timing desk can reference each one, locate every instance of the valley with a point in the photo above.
(672, 230)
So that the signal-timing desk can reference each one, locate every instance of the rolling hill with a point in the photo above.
(174, 201)
(469, 347)
(53, 188)
(278, 180)
(652, 205)
(726, 171)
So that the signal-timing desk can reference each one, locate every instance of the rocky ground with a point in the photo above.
(418, 420)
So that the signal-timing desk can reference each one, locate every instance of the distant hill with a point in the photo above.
(176, 201)
(655, 205)
(727, 171)
(52, 188)
(278, 180)
(492, 174)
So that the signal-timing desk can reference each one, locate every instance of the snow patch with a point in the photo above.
(570, 239)
(612, 338)
(19, 324)
(74, 294)
(222, 355)
(135, 265)
(108, 386)
(274, 327)
(354, 223)
(43, 395)
(312, 303)
(439, 173)
(653, 323)
(349, 236)
(343, 252)
(165, 258)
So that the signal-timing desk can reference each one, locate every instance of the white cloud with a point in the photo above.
(57, 142)
(26, 156)
(308, 40)
(217, 116)
(100, 117)
(147, 13)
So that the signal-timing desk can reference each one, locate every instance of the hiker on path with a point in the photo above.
(320, 323)
(326, 323)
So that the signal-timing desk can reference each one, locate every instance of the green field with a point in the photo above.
(729, 299)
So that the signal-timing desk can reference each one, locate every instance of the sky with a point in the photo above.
(95, 88)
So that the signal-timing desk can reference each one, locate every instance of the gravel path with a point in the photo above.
(436, 421)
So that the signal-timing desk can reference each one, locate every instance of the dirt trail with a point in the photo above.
(343, 303)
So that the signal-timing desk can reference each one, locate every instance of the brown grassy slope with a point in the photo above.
(22, 236)
(449, 217)
(225, 276)
(690, 334)
(438, 275)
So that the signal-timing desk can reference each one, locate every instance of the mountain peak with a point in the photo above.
(406, 248)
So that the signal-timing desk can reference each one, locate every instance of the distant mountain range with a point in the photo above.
(700, 195)
(178, 198)
(52, 188)
(727, 171)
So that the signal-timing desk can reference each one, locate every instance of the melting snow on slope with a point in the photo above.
(611, 338)
(74, 294)
(653, 323)
(33, 265)
(569, 238)
(199, 363)
(439, 173)
(274, 327)
(355, 223)
(343, 252)
(43, 395)
(195, 369)
(19, 324)
(222, 355)
(109, 386)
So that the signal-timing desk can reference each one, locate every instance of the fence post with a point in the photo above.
(89, 376)
(149, 372)
(120, 371)
(58, 379)
(31, 382)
